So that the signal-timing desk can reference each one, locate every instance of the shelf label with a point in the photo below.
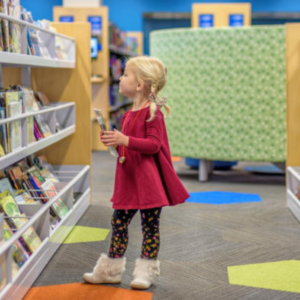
(206, 21)
(66, 19)
(96, 24)
(96, 28)
(236, 20)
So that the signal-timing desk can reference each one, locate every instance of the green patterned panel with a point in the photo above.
(226, 88)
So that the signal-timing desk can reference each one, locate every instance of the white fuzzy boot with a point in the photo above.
(107, 270)
(144, 273)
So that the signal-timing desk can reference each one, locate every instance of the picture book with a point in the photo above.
(6, 185)
(30, 236)
(19, 254)
(5, 26)
(3, 130)
(28, 103)
(101, 123)
(2, 258)
(10, 97)
(59, 206)
(15, 109)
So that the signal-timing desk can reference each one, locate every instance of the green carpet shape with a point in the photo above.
(81, 234)
(281, 276)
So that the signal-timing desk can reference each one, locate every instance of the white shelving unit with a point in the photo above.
(293, 182)
(74, 186)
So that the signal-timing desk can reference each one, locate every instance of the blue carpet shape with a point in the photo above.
(218, 198)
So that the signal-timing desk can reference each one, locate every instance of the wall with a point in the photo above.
(41, 9)
(129, 16)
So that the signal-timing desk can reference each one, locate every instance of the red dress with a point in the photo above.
(147, 178)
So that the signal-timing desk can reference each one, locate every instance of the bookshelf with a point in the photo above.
(100, 75)
(293, 120)
(68, 150)
(100, 65)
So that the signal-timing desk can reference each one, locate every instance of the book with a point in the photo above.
(3, 131)
(30, 241)
(42, 98)
(28, 103)
(21, 197)
(9, 97)
(30, 236)
(19, 254)
(101, 123)
(42, 126)
(5, 26)
(6, 185)
(15, 109)
(2, 257)
(58, 206)
(14, 10)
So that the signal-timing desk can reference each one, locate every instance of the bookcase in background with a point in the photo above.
(221, 14)
(99, 76)
(70, 153)
(139, 37)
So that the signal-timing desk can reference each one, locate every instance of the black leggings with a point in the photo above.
(150, 228)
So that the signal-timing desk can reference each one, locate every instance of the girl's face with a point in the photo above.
(128, 83)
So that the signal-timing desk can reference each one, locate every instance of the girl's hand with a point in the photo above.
(113, 138)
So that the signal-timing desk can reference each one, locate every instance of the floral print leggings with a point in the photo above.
(150, 228)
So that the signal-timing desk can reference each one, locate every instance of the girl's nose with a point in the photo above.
(120, 78)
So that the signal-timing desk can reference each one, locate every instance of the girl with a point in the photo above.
(145, 178)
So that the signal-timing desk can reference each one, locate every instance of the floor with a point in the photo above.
(198, 241)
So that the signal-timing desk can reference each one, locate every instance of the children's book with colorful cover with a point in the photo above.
(59, 206)
(18, 252)
(30, 236)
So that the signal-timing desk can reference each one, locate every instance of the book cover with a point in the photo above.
(30, 236)
(5, 26)
(28, 102)
(19, 254)
(3, 130)
(42, 126)
(6, 185)
(9, 97)
(37, 186)
(59, 206)
(14, 10)
(21, 197)
(15, 109)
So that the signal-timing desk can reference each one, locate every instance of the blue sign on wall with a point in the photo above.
(206, 21)
(66, 19)
(236, 20)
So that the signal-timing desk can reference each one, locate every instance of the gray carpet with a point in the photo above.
(198, 241)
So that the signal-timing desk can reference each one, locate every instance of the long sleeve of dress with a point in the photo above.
(152, 143)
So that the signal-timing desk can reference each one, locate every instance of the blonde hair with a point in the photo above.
(154, 74)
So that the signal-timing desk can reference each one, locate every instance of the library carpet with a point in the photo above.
(198, 241)
(81, 291)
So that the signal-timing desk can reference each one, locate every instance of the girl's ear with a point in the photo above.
(141, 85)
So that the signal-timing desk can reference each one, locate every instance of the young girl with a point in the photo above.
(145, 178)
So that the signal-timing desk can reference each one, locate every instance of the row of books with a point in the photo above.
(10, 39)
(13, 102)
(118, 38)
(10, 32)
(30, 181)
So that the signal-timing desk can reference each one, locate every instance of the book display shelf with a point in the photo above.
(66, 82)
(293, 120)
(113, 45)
